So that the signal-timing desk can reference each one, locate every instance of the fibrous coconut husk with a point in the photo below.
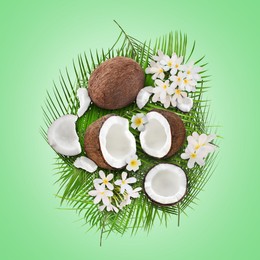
(92, 145)
(115, 83)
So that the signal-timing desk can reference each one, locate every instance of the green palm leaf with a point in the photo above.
(75, 183)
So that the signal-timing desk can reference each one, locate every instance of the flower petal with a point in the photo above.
(131, 180)
(124, 175)
(110, 186)
(110, 176)
(191, 163)
(102, 175)
(97, 199)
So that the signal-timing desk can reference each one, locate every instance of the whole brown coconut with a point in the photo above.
(92, 145)
(178, 131)
(115, 83)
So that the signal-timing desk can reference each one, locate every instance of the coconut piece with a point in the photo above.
(115, 83)
(84, 101)
(164, 134)
(85, 163)
(165, 184)
(186, 105)
(143, 96)
(108, 142)
(62, 136)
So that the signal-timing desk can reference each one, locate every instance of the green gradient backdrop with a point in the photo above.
(40, 37)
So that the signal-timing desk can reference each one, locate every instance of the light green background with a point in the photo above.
(40, 37)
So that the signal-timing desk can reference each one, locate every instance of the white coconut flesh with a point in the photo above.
(62, 136)
(165, 184)
(156, 138)
(143, 96)
(85, 163)
(117, 143)
(186, 105)
(84, 101)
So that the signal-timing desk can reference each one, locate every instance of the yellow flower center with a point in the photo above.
(133, 163)
(188, 72)
(197, 147)
(164, 86)
(178, 92)
(176, 66)
(123, 182)
(169, 63)
(179, 79)
(138, 121)
(105, 181)
(160, 70)
(102, 193)
(193, 155)
(186, 81)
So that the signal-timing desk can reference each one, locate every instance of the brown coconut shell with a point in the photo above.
(92, 144)
(178, 131)
(115, 83)
(161, 204)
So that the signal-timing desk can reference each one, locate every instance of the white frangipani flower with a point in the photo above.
(177, 79)
(105, 180)
(188, 85)
(178, 97)
(203, 140)
(159, 57)
(198, 148)
(175, 63)
(100, 193)
(156, 69)
(168, 62)
(108, 207)
(124, 182)
(191, 71)
(138, 121)
(194, 156)
(134, 193)
(162, 90)
(133, 163)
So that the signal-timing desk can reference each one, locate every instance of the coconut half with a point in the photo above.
(108, 142)
(84, 101)
(164, 134)
(85, 163)
(165, 184)
(62, 136)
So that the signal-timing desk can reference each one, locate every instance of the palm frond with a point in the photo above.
(75, 183)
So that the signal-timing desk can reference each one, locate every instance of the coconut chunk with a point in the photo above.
(186, 105)
(62, 136)
(165, 184)
(84, 100)
(85, 163)
(143, 96)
